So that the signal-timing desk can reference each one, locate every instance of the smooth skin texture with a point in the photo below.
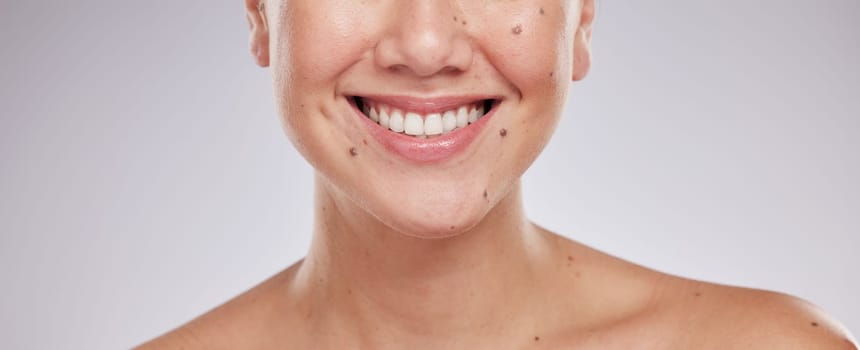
(442, 256)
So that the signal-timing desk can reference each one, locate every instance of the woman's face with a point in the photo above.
(359, 82)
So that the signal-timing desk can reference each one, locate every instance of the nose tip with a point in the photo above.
(423, 43)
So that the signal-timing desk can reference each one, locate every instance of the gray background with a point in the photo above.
(145, 177)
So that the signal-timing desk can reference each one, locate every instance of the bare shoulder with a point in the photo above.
(692, 314)
(742, 318)
(242, 322)
(667, 311)
(702, 315)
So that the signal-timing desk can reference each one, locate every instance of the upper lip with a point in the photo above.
(426, 105)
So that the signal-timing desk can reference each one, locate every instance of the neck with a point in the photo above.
(369, 275)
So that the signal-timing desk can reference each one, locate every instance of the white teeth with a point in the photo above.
(462, 116)
(383, 119)
(449, 122)
(396, 122)
(473, 116)
(422, 126)
(413, 125)
(433, 124)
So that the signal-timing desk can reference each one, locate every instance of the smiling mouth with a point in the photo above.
(423, 124)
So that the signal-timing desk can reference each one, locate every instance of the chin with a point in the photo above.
(429, 220)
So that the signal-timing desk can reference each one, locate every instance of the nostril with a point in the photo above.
(398, 68)
(450, 69)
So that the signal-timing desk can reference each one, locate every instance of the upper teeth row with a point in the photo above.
(412, 123)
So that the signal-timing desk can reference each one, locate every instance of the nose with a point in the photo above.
(424, 38)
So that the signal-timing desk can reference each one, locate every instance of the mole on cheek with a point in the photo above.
(503, 132)
(353, 152)
(485, 194)
(517, 29)
(541, 11)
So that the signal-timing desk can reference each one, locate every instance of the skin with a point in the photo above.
(442, 256)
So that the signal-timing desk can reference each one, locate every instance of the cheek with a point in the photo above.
(315, 41)
(305, 36)
(533, 50)
(531, 45)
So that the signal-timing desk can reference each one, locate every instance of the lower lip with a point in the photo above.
(431, 150)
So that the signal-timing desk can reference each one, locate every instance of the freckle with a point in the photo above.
(814, 324)
(517, 30)
(698, 294)
(364, 141)
(353, 152)
(503, 132)
(452, 227)
(537, 338)
(349, 291)
(578, 274)
(485, 193)
(569, 258)
(551, 74)
(464, 22)
(541, 10)
(455, 18)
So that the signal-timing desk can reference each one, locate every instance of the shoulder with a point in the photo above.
(670, 311)
(246, 321)
(726, 317)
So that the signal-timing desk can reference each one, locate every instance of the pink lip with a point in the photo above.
(431, 150)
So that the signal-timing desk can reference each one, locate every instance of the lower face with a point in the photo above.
(428, 150)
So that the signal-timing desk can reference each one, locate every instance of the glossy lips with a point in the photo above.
(424, 130)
